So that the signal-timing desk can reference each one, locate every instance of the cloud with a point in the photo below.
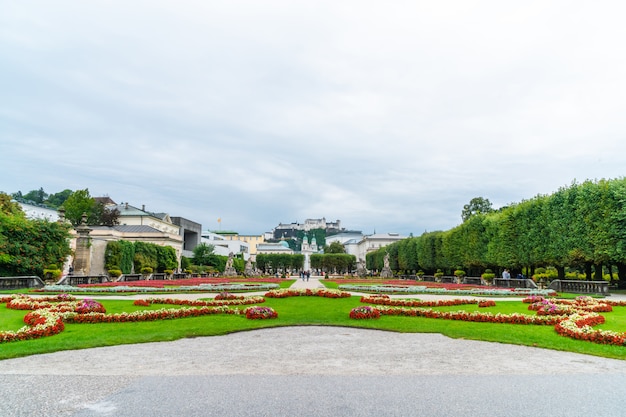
(385, 116)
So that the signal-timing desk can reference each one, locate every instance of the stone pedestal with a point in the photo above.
(82, 256)
(386, 273)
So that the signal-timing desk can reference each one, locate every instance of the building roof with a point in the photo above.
(126, 209)
(277, 247)
(125, 228)
(385, 236)
(107, 201)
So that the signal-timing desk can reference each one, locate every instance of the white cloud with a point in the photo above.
(384, 115)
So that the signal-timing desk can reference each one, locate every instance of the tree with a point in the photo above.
(10, 207)
(166, 258)
(80, 202)
(334, 247)
(105, 216)
(36, 196)
(56, 200)
(77, 204)
(27, 247)
(203, 254)
(475, 206)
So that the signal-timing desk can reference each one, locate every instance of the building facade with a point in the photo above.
(224, 245)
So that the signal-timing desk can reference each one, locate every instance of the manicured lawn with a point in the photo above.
(302, 311)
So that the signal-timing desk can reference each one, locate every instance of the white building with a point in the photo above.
(268, 247)
(132, 216)
(224, 246)
(344, 237)
(307, 250)
(374, 242)
(34, 212)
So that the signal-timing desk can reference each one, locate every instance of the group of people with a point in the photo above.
(506, 274)
(305, 275)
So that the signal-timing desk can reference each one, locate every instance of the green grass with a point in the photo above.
(301, 311)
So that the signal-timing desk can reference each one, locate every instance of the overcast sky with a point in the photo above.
(387, 115)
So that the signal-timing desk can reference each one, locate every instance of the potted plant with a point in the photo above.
(488, 276)
(52, 273)
(438, 274)
(114, 272)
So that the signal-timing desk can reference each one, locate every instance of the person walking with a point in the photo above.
(506, 274)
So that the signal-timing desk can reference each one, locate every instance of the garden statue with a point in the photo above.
(386, 272)
(229, 270)
(361, 271)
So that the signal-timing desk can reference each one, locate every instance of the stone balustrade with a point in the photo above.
(16, 283)
(580, 287)
(514, 283)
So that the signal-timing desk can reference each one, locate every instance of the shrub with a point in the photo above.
(52, 273)
(488, 276)
(439, 273)
(459, 273)
(115, 273)
(146, 270)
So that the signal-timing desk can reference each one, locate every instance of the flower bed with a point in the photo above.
(228, 296)
(202, 303)
(49, 314)
(553, 306)
(182, 282)
(578, 326)
(364, 312)
(385, 300)
(514, 318)
(41, 323)
(486, 303)
(146, 315)
(571, 318)
(316, 292)
(260, 313)
(484, 292)
(148, 289)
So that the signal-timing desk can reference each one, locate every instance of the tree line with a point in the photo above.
(581, 227)
(74, 204)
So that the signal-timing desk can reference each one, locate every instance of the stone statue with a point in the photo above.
(361, 271)
(248, 270)
(386, 272)
(229, 270)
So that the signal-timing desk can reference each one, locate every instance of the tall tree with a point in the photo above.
(203, 254)
(77, 204)
(334, 247)
(80, 202)
(56, 200)
(477, 205)
(36, 196)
